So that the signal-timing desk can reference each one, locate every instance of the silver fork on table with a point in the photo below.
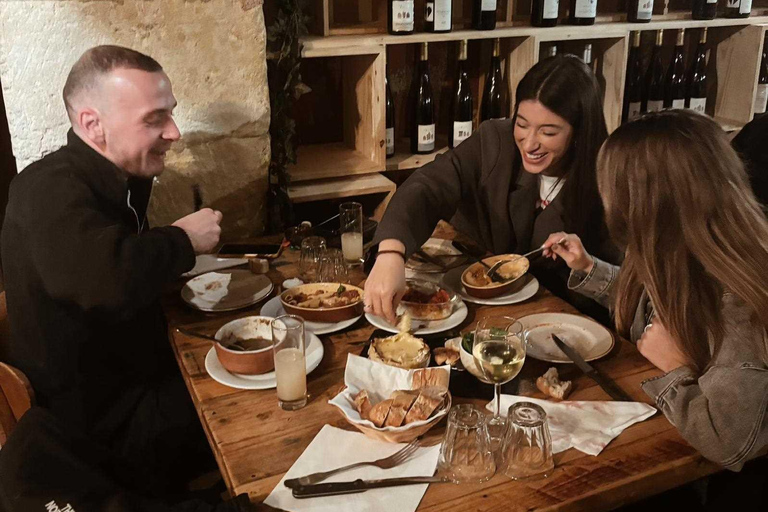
(393, 460)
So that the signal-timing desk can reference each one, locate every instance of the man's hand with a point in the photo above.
(658, 347)
(202, 228)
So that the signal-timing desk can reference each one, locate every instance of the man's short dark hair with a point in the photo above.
(99, 61)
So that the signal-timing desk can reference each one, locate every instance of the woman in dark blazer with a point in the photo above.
(509, 185)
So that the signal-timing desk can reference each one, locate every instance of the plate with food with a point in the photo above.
(434, 251)
(226, 290)
(423, 307)
(274, 308)
(590, 339)
(526, 287)
(512, 267)
(323, 302)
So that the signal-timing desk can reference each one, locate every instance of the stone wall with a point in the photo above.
(214, 52)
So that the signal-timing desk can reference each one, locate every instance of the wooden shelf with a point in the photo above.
(318, 190)
(318, 161)
(404, 161)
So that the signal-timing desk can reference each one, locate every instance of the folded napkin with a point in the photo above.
(209, 289)
(586, 426)
(209, 262)
(332, 448)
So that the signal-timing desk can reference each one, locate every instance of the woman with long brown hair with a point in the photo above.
(693, 288)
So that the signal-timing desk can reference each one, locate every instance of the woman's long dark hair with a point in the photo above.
(567, 87)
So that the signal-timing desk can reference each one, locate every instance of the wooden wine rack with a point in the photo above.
(341, 123)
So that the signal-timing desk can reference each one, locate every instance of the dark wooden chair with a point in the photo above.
(16, 395)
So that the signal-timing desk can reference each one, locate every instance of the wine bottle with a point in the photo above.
(551, 51)
(582, 12)
(390, 120)
(492, 107)
(738, 8)
(639, 11)
(654, 89)
(484, 14)
(674, 86)
(544, 13)
(586, 55)
(400, 17)
(423, 135)
(462, 101)
(633, 87)
(704, 9)
(437, 16)
(761, 97)
(697, 81)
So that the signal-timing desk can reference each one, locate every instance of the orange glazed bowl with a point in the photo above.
(251, 331)
(295, 301)
(478, 285)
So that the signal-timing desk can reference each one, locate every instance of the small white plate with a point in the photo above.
(226, 290)
(443, 250)
(590, 339)
(452, 281)
(433, 326)
(314, 355)
(274, 308)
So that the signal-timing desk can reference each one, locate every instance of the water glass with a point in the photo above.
(527, 450)
(332, 268)
(465, 455)
(351, 219)
(288, 345)
(312, 249)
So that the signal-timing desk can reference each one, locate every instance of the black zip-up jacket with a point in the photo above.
(83, 278)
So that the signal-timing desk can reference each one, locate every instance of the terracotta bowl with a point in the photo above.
(250, 362)
(328, 315)
(433, 311)
(493, 289)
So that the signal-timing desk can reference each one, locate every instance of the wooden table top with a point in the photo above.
(255, 442)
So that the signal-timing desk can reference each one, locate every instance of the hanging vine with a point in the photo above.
(285, 87)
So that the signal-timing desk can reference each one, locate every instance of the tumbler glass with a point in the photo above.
(527, 450)
(312, 249)
(465, 456)
(332, 268)
(290, 362)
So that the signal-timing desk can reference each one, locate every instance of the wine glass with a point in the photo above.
(499, 352)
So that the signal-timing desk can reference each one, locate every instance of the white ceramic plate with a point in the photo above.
(274, 308)
(226, 290)
(218, 373)
(590, 339)
(452, 280)
(443, 250)
(433, 326)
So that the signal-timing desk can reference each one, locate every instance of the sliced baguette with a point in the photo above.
(423, 406)
(401, 403)
(379, 412)
(363, 404)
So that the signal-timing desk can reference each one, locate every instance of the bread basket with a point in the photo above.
(402, 434)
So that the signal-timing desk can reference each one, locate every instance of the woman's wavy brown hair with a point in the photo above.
(677, 197)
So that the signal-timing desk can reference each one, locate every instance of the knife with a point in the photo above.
(608, 385)
(335, 488)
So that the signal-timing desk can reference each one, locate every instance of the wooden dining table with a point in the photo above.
(255, 442)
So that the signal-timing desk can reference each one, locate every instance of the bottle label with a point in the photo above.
(761, 99)
(426, 136)
(390, 141)
(698, 105)
(402, 15)
(585, 8)
(443, 15)
(551, 8)
(429, 11)
(634, 110)
(711, 1)
(678, 103)
(644, 9)
(488, 5)
(461, 130)
(655, 106)
(745, 6)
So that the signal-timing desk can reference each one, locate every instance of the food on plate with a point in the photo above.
(418, 296)
(476, 275)
(402, 407)
(446, 355)
(324, 298)
(401, 350)
(425, 300)
(551, 385)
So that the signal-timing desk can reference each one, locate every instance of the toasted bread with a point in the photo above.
(379, 412)
(446, 356)
(430, 377)
(363, 404)
(401, 403)
(550, 385)
(423, 407)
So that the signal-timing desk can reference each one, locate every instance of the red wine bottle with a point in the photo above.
(437, 16)
(484, 14)
(544, 13)
(423, 134)
(654, 79)
(492, 106)
(639, 11)
(761, 96)
(633, 87)
(400, 17)
(738, 8)
(674, 86)
(390, 120)
(583, 12)
(704, 9)
(697, 80)
(462, 101)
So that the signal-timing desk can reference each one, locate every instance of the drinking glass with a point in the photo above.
(312, 249)
(332, 268)
(288, 346)
(499, 352)
(465, 455)
(527, 450)
(351, 219)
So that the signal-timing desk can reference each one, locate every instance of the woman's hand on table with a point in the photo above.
(385, 285)
(660, 348)
(570, 249)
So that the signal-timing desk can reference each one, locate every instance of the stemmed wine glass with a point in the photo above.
(499, 353)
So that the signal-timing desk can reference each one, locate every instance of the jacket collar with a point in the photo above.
(102, 175)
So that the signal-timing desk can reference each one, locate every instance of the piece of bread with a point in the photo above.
(401, 403)
(430, 377)
(423, 407)
(379, 412)
(446, 356)
(363, 404)
(550, 385)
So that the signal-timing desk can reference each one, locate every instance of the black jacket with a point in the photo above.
(83, 278)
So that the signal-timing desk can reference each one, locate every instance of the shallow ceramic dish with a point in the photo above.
(249, 362)
(428, 310)
(514, 270)
(323, 314)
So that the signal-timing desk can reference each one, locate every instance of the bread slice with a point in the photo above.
(430, 377)
(446, 356)
(423, 406)
(379, 412)
(363, 404)
(401, 402)
(550, 385)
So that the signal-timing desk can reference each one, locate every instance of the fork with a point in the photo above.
(393, 460)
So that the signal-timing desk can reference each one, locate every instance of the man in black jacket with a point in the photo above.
(84, 273)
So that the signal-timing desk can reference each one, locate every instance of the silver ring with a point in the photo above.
(367, 307)
(647, 327)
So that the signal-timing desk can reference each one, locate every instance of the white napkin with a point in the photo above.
(209, 262)
(333, 448)
(209, 289)
(586, 426)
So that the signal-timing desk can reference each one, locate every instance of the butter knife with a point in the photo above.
(335, 488)
(608, 385)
